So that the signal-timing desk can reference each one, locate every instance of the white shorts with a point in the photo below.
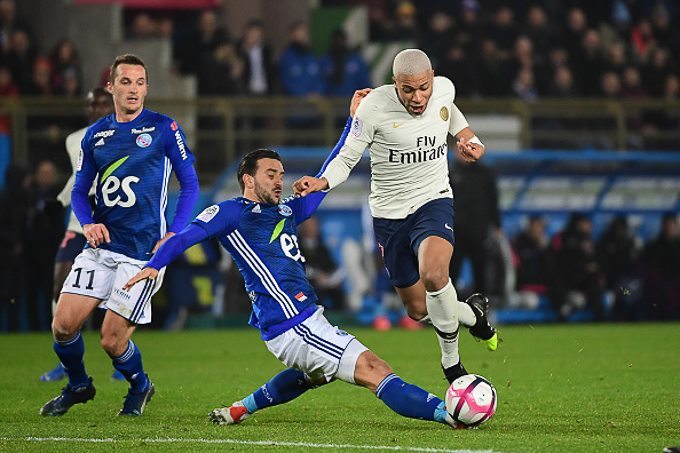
(318, 349)
(102, 273)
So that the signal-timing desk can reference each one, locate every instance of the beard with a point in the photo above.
(263, 195)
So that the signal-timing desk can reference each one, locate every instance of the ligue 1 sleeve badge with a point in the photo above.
(444, 113)
(144, 140)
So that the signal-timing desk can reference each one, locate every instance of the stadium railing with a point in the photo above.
(220, 129)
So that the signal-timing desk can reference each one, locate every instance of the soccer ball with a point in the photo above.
(471, 400)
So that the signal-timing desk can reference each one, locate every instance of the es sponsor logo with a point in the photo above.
(112, 185)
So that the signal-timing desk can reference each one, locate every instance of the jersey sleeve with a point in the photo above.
(182, 160)
(86, 170)
(219, 219)
(360, 136)
(304, 207)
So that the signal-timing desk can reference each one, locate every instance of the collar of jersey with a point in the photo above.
(131, 124)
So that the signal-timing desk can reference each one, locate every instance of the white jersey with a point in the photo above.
(73, 149)
(409, 165)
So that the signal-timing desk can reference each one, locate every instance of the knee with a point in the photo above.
(416, 313)
(434, 279)
(63, 329)
(113, 344)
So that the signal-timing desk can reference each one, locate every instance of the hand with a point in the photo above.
(161, 241)
(308, 184)
(358, 96)
(469, 152)
(96, 234)
(147, 272)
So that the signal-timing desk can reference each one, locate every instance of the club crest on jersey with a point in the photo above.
(444, 113)
(285, 210)
(144, 140)
(208, 213)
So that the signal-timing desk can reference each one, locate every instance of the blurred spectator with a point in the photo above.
(615, 59)
(455, 66)
(632, 85)
(20, 59)
(299, 67)
(7, 86)
(642, 40)
(491, 72)
(531, 249)
(41, 79)
(66, 73)
(221, 72)
(344, 69)
(618, 251)
(9, 22)
(656, 71)
(14, 205)
(143, 27)
(610, 85)
(562, 84)
(524, 86)
(572, 36)
(259, 70)
(538, 30)
(503, 30)
(201, 42)
(406, 22)
(45, 228)
(477, 222)
(438, 37)
(324, 275)
(589, 64)
(662, 267)
(576, 277)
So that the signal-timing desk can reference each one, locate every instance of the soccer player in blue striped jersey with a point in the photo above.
(259, 231)
(132, 154)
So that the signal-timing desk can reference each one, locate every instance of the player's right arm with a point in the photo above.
(86, 170)
(216, 220)
(340, 163)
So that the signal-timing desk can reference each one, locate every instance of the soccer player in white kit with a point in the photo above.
(406, 125)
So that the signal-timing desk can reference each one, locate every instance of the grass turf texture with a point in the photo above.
(561, 388)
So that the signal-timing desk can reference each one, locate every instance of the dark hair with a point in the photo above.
(248, 165)
(98, 91)
(127, 58)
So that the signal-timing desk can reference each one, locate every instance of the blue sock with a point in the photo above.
(409, 400)
(285, 386)
(70, 353)
(129, 364)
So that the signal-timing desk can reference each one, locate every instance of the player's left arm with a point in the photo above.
(304, 207)
(182, 160)
(469, 146)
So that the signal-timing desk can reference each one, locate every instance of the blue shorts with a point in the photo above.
(70, 247)
(399, 239)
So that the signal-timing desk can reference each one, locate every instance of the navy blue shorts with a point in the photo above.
(70, 247)
(399, 239)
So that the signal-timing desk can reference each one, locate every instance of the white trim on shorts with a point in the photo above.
(101, 274)
(318, 349)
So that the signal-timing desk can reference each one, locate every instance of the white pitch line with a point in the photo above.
(172, 440)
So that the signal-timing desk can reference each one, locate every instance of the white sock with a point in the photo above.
(465, 314)
(441, 308)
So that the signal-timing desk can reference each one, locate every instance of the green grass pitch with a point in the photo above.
(581, 388)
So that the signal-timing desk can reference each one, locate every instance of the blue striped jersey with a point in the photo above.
(133, 162)
(262, 239)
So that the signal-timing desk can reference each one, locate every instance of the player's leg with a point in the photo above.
(125, 311)
(70, 247)
(72, 311)
(405, 399)
(284, 387)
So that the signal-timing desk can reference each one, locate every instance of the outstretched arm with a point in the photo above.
(308, 184)
(171, 249)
